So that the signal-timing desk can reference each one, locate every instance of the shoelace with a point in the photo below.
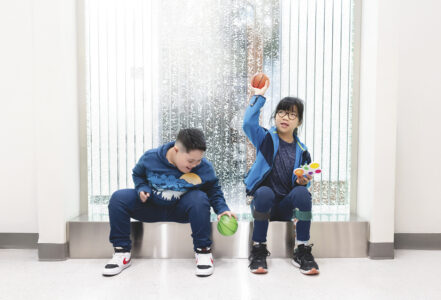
(117, 258)
(204, 259)
(307, 255)
(259, 254)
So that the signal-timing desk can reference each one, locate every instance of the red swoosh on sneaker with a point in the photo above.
(126, 261)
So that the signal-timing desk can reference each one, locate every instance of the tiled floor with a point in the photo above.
(411, 275)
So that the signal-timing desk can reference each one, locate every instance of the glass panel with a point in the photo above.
(317, 55)
(154, 67)
(208, 52)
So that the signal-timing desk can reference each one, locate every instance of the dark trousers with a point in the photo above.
(281, 209)
(193, 208)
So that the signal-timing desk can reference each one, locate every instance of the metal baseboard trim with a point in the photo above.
(418, 241)
(381, 250)
(90, 239)
(18, 240)
(53, 252)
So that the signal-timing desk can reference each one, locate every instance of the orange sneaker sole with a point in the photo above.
(260, 271)
(313, 271)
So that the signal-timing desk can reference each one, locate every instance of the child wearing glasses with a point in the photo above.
(277, 193)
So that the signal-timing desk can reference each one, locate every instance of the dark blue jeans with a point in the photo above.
(193, 207)
(281, 210)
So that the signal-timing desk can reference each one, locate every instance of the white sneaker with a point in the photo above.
(204, 262)
(119, 262)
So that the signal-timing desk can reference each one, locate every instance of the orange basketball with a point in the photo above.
(258, 80)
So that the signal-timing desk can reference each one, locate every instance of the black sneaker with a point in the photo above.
(304, 260)
(258, 259)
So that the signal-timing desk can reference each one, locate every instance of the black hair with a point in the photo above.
(192, 139)
(288, 104)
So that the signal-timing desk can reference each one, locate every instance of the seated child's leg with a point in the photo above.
(261, 209)
(123, 205)
(194, 207)
(299, 198)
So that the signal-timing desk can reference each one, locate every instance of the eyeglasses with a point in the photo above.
(291, 115)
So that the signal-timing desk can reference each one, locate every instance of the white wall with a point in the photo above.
(400, 103)
(57, 140)
(18, 204)
(377, 123)
(39, 122)
(418, 193)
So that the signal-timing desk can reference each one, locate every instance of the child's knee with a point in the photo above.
(121, 197)
(262, 203)
(115, 199)
(196, 199)
(263, 198)
(304, 199)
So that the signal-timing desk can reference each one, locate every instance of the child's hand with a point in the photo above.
(144, 196)
(228, 213)
(262, 90)
(302, 180)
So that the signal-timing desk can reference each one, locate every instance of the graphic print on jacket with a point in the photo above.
(167, 189)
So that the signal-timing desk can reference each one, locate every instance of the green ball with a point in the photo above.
(227, 226)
